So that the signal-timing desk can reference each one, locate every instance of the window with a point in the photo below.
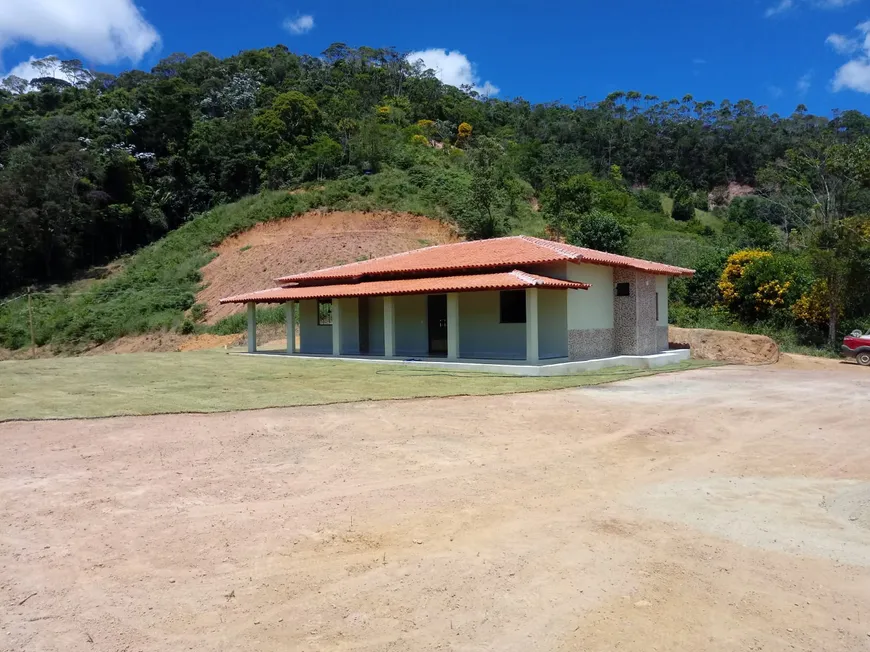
(623, 289)
(324, 312)
(513, 307)
(657, 306)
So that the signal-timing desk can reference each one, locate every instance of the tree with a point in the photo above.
(463, 134)
(15, 84)
(324, 155)
(564, 202)
(684, 205)
(481, 217)
(298, 112)
(601, 231)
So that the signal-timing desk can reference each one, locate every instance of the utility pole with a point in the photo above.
(30, 316)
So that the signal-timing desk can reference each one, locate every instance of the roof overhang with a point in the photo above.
(515, 280)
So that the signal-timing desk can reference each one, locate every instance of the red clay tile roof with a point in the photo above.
(515, 280)
(497, 253)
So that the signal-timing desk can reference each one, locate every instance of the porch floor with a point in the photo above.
(554, 367)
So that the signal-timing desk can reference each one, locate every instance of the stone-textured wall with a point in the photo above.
(634, 316)
(590, 344)
(662, 338)
(646, 314)
(625, 314)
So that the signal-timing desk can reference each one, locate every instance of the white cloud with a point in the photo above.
(854, 74)
(775, 91)
(301, 25)
(785, 5)
(101, 31)
(842, 44)
(804, 83)
(26, 70)
(781, 7)
(699, 62)
(453, 68)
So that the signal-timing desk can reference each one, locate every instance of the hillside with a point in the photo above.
(253, 259)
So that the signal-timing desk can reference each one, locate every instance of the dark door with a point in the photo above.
(437, 311)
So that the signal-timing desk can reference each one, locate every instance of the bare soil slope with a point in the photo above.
(727, 346)
(254, 259)
(718, 510)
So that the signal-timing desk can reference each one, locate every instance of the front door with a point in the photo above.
(437, 310)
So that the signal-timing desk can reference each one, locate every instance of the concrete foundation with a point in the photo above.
(513, 367)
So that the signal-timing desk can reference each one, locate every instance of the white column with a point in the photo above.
(389, 328)
(532, 325)
(452, 326)
(336, 327)
(252, 327)
(290, 307)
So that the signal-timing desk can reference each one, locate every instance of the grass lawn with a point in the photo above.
(212, 381)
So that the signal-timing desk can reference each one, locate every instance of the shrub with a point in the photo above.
(702, 289)
(197, 312)
(684, 206)
(600, 230)
(735, 267)
(649, 200)
(749, 209)
(758, 285)
(751, 235)
(813, 307)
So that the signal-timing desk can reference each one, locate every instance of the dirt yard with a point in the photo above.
(254, 259)
(717, 509)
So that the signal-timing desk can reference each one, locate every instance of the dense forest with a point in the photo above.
(93, 166)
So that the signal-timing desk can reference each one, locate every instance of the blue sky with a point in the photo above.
(775, 52)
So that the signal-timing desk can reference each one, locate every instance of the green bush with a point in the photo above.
(667, 182)
(684, 206)
(649, 200)
(197, 312)
(702, 289)
(601, 231)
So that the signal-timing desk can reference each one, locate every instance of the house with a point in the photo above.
(506, 299)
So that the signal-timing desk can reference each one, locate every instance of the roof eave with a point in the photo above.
(314, 277)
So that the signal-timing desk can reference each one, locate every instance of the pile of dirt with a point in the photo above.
(254, 259)
(727, 346)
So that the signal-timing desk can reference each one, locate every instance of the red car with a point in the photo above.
(857, 345)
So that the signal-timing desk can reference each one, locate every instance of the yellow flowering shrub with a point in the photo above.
(419, 139)
(814, 306)
(771, 295)
(464, 132)
(735, 267)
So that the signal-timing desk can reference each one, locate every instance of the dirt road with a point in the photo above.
(719, 509)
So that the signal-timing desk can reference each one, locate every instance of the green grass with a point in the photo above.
(212, 381)
(704, 217)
